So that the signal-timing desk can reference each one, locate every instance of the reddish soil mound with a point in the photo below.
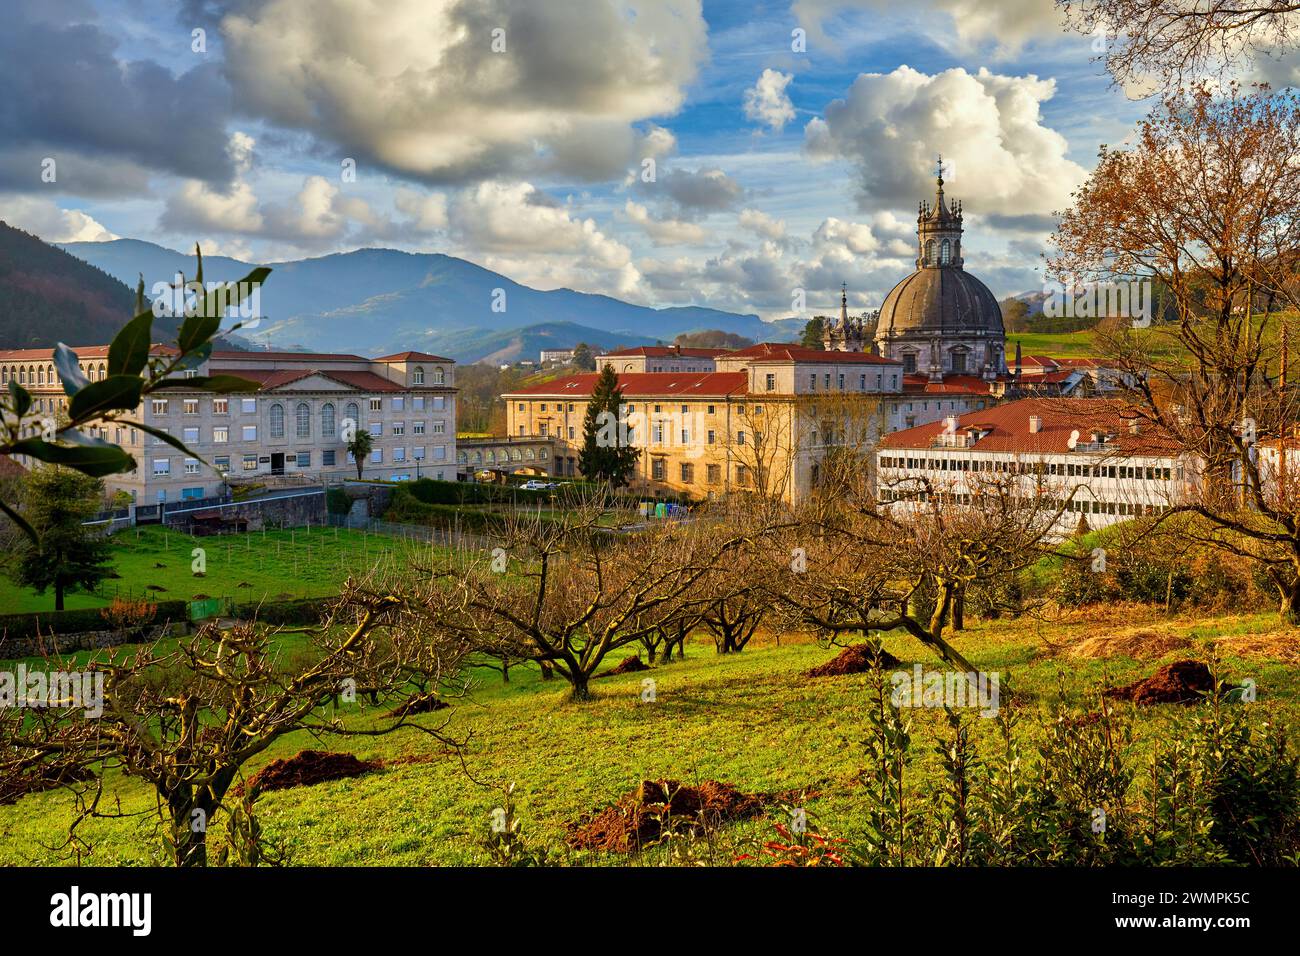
(424, 704)
(1182, 682)
(856, 659)
(639, 817)
(38, 779)
(307, 768)
(626, 666)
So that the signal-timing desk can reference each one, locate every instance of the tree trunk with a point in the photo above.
(959, 610)
(580, 690)
(548, 671)
(189, 843)
(1290, 604)
(58, 595)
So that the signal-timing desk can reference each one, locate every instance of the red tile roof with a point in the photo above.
(84, 352)
(664, 351)
(645, 385)
(270, 378)
(260, 356)
(413, 357)
(785, 352)
(1008, 428)
(951, 385)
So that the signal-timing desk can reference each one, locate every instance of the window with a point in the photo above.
(159, 406)
(958, 361)
(909, 364)
(250, 463)
(191, 466)
(159, 441)
(740, 438)
(377, 456)
(572, 433)
(399, 428)
(418, 452)
(688, 472)
(327, 457)
(438, 376)
(327, 426)
(377, 429)
(250, 433)
(742, 475)
(304, 459)
(191, 406)
(417, 403)
(543, 407)
(352, 414)
(302, 425)
(190, 435)
(711, 409)
(771, 382)
(418, 375)
(221, 463)
(162, 466)
(376, 404)
(945, 253)
(713, 474)
(399, 454)
(277, 421)
(658, 469)
(399, 403)
(221, 406)
(248, 405)
(417, 428)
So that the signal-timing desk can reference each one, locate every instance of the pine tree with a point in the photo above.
(813, 333)
(607, 453)
(69, 556)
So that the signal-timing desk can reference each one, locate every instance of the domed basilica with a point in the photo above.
(939, 321)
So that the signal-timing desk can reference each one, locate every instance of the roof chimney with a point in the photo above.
(1134, 427)
(1035, 424)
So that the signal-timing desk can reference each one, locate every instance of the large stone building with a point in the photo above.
(292, 424)
(941, 321)
(763, 421)
(1090, 458)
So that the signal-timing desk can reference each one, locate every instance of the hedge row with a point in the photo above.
(430, 491)
(75, 621)
(22, 626)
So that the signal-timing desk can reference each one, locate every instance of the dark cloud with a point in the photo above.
(68, 93)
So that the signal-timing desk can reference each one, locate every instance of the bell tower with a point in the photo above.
(938, 230)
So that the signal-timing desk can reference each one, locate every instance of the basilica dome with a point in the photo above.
(938, 300)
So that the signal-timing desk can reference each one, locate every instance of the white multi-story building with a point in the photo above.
(294, 423)
(1094, 457)
(661, 358)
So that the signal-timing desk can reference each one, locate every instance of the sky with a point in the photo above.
(737, 155)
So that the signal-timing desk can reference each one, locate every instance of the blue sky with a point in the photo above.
(775, 170)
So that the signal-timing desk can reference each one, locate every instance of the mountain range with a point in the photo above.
(378, 301)
(47, 296)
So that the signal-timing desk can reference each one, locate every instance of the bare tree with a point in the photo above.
(1207, 201)
(187, 721)
(1177, 42)
(569, 591)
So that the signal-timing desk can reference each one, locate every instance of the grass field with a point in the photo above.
(750, 719)
(156, 563)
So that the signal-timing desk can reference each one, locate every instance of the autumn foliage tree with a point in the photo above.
(1206, 201)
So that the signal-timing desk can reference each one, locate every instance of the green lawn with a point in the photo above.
(749, 719)
(259, 566)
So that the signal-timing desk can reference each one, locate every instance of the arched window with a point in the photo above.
(417, 376)
(101, 371)
(439, 377)
(353, 415)
(929, 251)
(41, 376)
(327, 420)
(945, 253)
(303, 423)
(22, 375)
(462, 458)
(277, 421)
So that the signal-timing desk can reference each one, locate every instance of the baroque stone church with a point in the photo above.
(940, 321)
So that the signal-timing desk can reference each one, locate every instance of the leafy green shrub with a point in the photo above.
(337, 501)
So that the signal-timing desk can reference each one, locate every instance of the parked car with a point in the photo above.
(535, 485)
